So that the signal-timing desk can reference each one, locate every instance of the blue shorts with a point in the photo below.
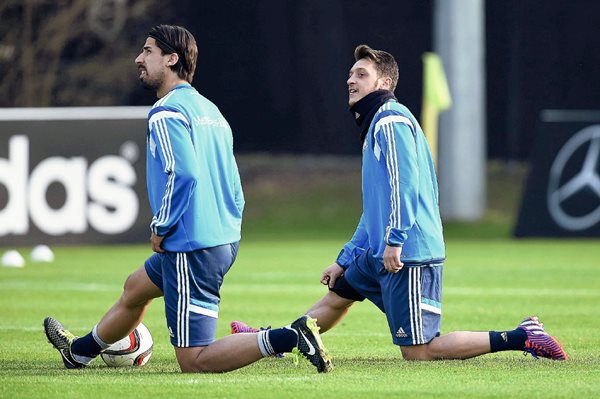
(190, 282)
(411, 299)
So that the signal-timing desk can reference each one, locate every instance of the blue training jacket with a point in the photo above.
(400, 192)
(192, 178)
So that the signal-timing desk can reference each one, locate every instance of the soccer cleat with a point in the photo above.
(539, 343)
(62, 340)
(241, 327)
(310, 344)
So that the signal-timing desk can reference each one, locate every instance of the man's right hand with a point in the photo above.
(330, 274)
(157, 243)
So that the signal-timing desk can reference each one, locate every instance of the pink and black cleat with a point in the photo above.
(238, 327)
(539, 343)
(241, 327)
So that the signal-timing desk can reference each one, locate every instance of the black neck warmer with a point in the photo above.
(364, 110)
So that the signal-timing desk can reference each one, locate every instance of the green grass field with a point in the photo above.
(488, 284)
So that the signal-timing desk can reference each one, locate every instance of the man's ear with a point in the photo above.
(386, 83)
(173, 58)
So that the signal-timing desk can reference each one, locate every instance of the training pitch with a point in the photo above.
(488, 284)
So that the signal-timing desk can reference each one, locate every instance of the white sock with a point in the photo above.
(264, 344)
(98, 340)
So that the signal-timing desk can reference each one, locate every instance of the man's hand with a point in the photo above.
(332, 273)
(391, 259)
(156, 243)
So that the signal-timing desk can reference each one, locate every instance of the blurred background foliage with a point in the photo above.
(71, 52)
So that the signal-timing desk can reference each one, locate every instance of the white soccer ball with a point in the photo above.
(13, 258)
(132, 351)
(42, 253)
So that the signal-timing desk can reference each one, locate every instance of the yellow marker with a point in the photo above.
(436, 98)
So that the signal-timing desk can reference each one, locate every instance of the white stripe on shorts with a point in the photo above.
(206, 312)
(419, 300)
(430, 308)
(410, 304)
(414, 304)
(183, 300)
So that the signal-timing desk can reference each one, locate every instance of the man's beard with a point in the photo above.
(152, 83)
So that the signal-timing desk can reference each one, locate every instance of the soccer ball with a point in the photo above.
(132, 351)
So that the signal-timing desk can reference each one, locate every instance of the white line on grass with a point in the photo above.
(258, 288)
(27, 285)
(40, 328)
(483, 292)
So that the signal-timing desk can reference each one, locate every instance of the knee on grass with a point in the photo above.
(191, 360)
(423, 352)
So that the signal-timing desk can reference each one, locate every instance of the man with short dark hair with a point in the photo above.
(396, 255)
(196, 197)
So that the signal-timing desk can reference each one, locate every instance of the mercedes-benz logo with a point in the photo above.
(586, 178)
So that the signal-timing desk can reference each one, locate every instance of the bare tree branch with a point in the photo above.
(47, 46)
(56, 46)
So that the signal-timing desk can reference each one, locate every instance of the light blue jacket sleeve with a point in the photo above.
(398, 144)
(170, 130)
(356, 246)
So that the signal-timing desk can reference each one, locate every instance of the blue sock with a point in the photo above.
(507, 340)
(279, 340)
(89, 346)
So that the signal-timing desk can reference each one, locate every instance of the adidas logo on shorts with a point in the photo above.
(401, 333)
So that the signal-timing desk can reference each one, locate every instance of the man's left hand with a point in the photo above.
(391, 259)
(156, 243)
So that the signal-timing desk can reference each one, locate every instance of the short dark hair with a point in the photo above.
(385, 64)
(176, 39)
